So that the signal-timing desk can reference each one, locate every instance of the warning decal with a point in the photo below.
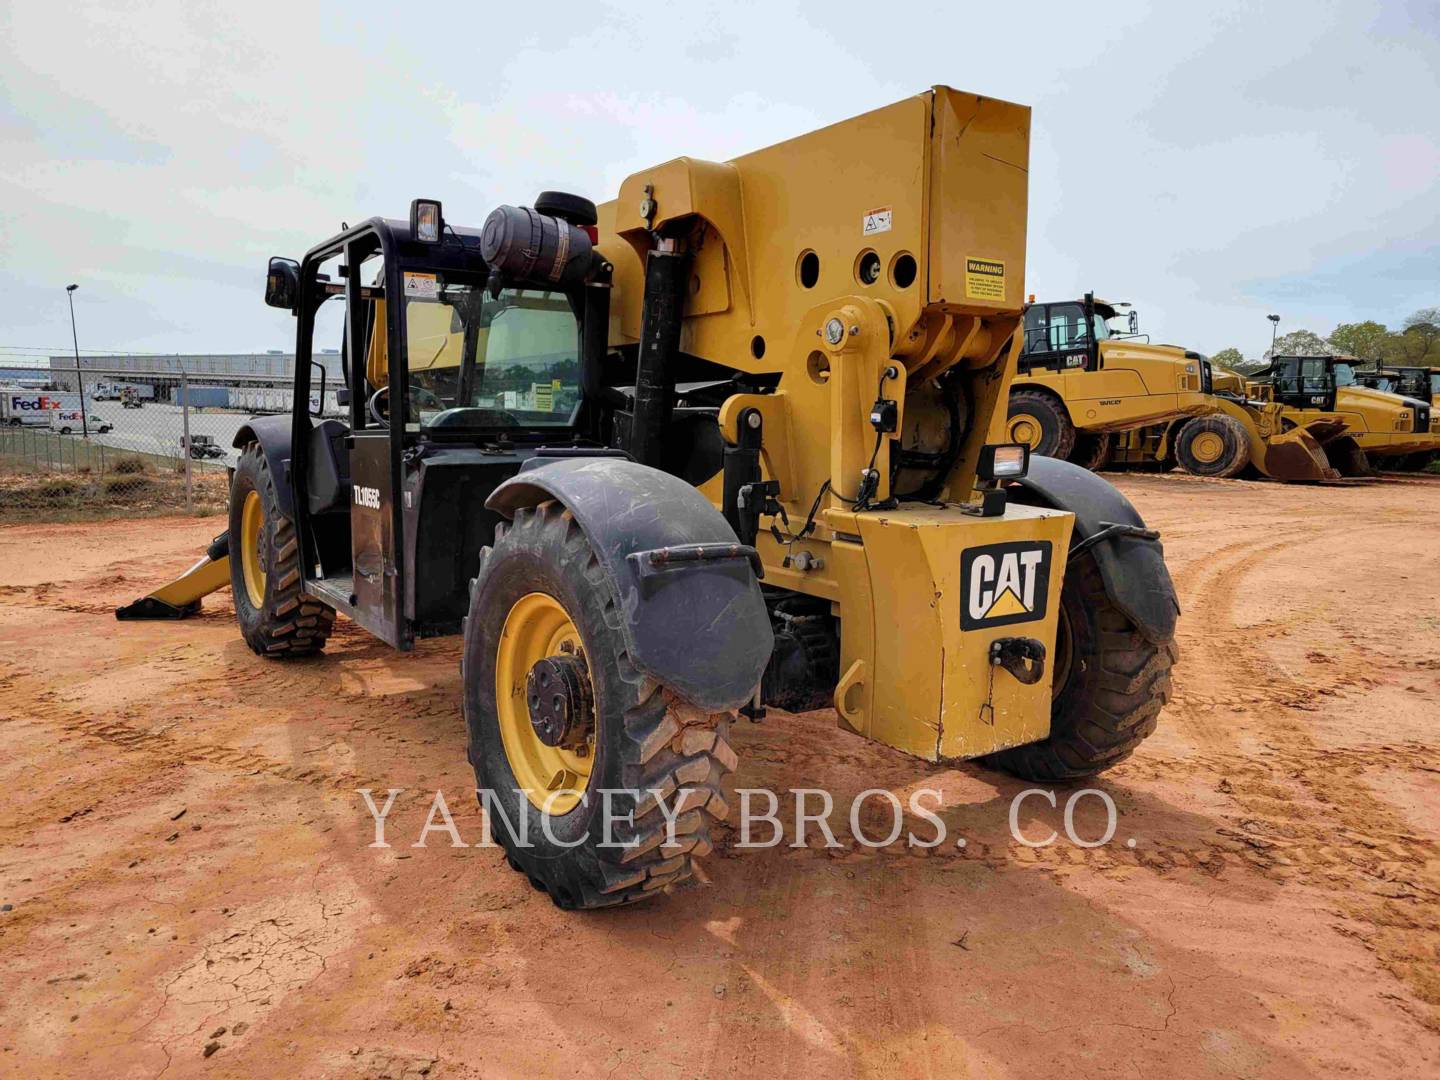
(984, 279)
(422, 286)
(876, 221)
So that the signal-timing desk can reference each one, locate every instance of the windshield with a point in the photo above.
(1435, 383)
(1344, 374)
(477, 361)
(1413, 383)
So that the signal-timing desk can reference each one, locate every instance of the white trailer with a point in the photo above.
(32, 408)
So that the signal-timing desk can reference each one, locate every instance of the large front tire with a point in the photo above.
(1110, 684)
(276, 618)
(542, 596)
(1038, 419)
(1214, 446)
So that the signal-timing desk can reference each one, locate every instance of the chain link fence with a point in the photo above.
(155, 441)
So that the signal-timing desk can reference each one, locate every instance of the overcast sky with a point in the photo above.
(1209, 162)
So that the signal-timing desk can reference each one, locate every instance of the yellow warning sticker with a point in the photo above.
(984, 279)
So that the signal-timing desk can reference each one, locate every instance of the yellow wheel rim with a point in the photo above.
(553, 778)
(252, 517)
(1207, 448)
(1024, 428)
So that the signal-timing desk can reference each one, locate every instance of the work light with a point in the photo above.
(425, 220)
(1003, 461)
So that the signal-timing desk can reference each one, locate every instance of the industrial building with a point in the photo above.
(276, 364)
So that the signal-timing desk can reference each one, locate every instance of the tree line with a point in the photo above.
(1416, 344)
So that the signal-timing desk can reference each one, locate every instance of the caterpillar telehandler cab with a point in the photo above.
(733, 439)
(1091, 392)
(1379, 425)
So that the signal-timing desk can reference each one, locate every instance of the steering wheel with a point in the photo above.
(372, 406)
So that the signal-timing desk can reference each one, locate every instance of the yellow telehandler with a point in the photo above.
(735, 438)
(1091, 392)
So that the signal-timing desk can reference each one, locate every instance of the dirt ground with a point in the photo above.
(191, 890)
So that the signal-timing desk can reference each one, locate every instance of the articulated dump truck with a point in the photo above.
(1419, 383)
(1093, 393)
(733, 439)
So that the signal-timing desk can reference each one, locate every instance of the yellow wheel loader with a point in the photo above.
(1244, 436)
(1091, 392)
(1380, 426)
(734, 439)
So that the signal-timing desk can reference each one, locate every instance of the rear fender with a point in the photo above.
(272, 433)
(693, 617)
(1133, 568)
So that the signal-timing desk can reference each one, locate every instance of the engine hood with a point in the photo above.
(1364, 397)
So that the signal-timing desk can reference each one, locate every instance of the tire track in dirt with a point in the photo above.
(166, 751)
(1305, 805)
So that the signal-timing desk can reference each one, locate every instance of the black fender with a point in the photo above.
(693, 615)
(1132, 567)
(273, 435)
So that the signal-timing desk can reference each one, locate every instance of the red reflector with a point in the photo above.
(592, 232)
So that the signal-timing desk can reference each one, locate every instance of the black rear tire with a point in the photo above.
(287, 622)
(1110, 692)
(1091, 450)
(644, 738)
(1213, 446)
(1056, 437)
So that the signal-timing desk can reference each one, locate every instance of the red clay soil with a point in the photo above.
(192, 893)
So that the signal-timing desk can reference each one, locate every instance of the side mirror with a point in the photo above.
(342, 397)
(282, 283)
(1134, 322)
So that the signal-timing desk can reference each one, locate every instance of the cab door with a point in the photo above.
(376, 361)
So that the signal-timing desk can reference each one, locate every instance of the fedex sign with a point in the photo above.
(33, 402)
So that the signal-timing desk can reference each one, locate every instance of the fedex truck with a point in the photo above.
(68, 422)
(33, 407)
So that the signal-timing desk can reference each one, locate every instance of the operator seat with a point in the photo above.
(328, 469)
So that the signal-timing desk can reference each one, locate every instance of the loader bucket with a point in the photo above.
(1325, 430)
(1297, 456)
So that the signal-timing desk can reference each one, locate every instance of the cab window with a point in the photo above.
(1068, 328)
(481, 361)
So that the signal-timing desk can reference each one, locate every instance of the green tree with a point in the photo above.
(1230, 357)
(1419, 342)
(1234, 359)
(1368, 340)
(1299, 343)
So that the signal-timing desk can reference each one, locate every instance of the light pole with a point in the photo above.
(79, 378)
(1274, 328)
